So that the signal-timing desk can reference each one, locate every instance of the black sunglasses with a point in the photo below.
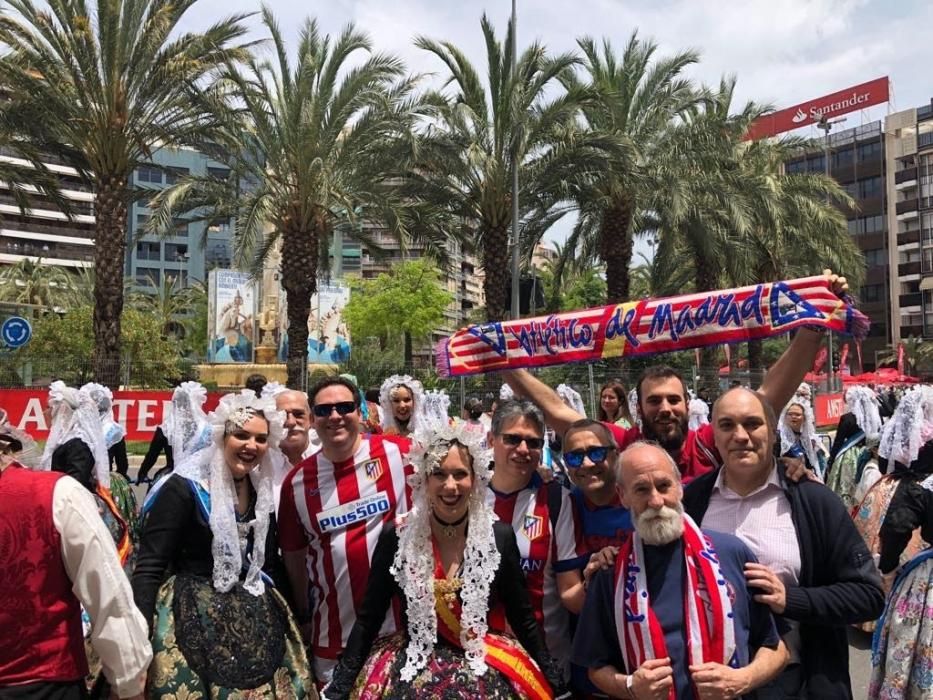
(596, 454)
(513, 440)
(323, 410)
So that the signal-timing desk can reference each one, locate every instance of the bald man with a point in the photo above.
(633, 634)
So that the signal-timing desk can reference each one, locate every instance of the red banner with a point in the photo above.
(844, 360)
(140, 412)
(828, 409)
(820, 360)
(874, 92)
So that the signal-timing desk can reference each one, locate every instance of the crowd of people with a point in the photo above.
(342, 544)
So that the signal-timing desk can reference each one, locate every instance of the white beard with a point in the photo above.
(660, 526)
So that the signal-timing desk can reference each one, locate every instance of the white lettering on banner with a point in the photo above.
(145, 414)
(33, 415)
(834, 407)
(360, 510)
(121, 407)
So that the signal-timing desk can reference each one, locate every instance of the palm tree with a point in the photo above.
(31, 283)
(112, 82)
(311, 144)
(637, 98)
(465, 166)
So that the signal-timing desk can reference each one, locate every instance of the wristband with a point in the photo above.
(629, 683)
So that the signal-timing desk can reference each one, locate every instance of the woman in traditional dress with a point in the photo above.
(797, 427)
(401, 399)
(858, 427)
(458, 576)
(902, 648)
(613, 405)
(207, 563)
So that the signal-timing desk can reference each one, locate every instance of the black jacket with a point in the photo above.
(911, 507)
(508, 587)
(838, 585)
(158, 443)
(74, 458)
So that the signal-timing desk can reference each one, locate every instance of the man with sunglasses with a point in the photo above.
(521, 497)
(333, 508)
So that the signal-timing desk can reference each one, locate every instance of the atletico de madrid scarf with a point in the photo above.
(707, 613)
(650, 326)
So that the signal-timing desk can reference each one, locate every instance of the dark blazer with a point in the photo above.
(507, 587)
(838, 586)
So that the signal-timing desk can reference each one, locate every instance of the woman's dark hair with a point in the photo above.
(474, 407)
(619, 390)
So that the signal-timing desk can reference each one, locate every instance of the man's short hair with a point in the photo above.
(657, 372)
(372, 395)
(592, 426)
(322, 384)
(650, 443)
(509, 411)
(255, 382)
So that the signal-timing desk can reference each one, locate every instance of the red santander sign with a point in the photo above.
(874, 92)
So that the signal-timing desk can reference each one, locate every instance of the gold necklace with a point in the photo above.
(447, 589)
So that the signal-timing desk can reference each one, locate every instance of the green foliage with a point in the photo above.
(408, 300)
(62, 347)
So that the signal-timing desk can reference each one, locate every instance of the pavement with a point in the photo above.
(859, 642)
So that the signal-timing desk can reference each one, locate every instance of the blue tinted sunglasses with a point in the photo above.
(596, 454)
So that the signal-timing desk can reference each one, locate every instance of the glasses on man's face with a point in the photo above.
(323, 410)
(596, 454)
(513, 440)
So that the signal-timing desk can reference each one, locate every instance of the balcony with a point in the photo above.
(906, 175)
(925, 140)
(907, 205)
(907, 300)
(925, 112)
(911, 268)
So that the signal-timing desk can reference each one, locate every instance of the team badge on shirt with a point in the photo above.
(533, 527)
(373, 469)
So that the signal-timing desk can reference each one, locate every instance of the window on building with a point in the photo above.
(910, 287)
(147, 250)
(870, 187)
(908, 256)
(148, 276)
(876, 257)
(842, 158)
(872, 292)
(176, 252)
(869, 151)
(174, 174)
(149, 174)
(219, 173)
(816, 163)
(795, 166)
(180, 277)
(181, 228)
(220, 228)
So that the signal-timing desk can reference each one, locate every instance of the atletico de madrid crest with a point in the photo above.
(373, 469)
(533, 527)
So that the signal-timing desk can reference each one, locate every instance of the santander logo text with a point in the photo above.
(849, 100)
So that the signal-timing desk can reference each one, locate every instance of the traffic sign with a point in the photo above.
(15, 331)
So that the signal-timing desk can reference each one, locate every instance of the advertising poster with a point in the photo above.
(328, 337)
(231, 316)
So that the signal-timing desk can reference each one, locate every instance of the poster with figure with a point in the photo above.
(231, 316)
(328, 336)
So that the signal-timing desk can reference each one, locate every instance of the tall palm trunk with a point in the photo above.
(109, 254)
(706, 280)
(299, 279)
(615, 248)
(496, 268)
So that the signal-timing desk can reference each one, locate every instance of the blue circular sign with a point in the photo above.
(15, 331)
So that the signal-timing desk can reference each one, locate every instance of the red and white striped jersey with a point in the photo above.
(337, 512)
(529, 513)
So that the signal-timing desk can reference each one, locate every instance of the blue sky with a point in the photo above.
(783, 51)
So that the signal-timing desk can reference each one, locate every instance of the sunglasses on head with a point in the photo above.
(596, 454)
(512, 440)
(323, 410)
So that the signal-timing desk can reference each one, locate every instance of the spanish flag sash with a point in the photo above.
(502, 654)
(125, 545)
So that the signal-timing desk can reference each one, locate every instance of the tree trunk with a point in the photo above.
(756, 360)
(496, 269)
(299, 280)
(707, 280)
(109, 262)
(409, 353)
(615, 248)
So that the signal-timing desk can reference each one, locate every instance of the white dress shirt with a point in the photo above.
(119, 633)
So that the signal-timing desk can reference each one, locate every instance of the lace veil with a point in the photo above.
(230, 537)
(189, 432)
(697, 413)
(27, 453)
(385, 401)
(807, 432)
(572, 398)
(75, 415)
(633, 406)
(910, 427)
(103, 399)
(414, 564)
(863, 404)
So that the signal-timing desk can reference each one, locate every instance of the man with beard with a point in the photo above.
(675, 613)
(333, 508)
(815, 569)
